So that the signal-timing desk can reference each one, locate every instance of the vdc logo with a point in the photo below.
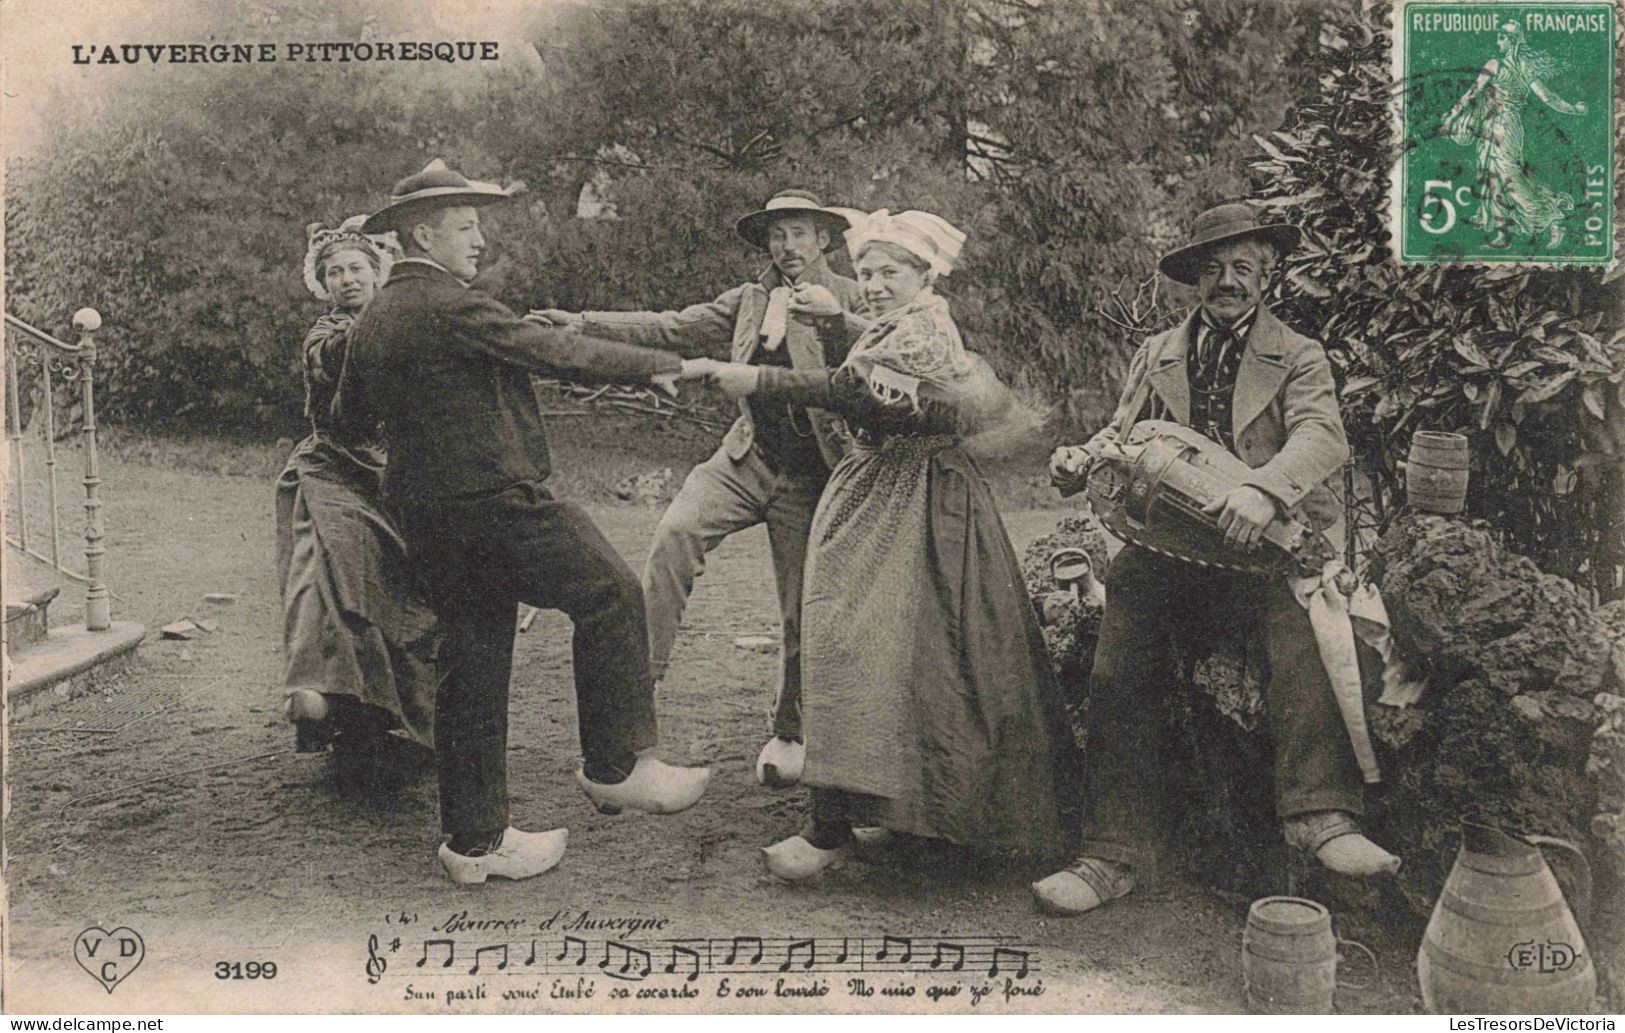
(109, 957)
(1530, 956)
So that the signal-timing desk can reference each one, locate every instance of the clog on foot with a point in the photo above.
(654, 787)
(520, 855)
(1089, 883)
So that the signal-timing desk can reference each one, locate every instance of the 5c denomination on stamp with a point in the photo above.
(1507, 119)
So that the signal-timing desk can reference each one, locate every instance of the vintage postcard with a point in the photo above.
(857, 506)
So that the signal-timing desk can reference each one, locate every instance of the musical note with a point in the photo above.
(626, 966)
(958, 949)
(1021, 973)
(693, 955)
(885, 947)
(375, 964)
(756, 960)
(688, 958)
(451, 951)
(790, 954)
(579, 943)
(491, 947)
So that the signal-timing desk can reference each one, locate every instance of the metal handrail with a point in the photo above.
(43, 337)
(77, 363)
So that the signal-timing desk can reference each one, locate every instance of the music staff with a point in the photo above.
(737, 955)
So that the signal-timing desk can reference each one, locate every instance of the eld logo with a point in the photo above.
(1542, 957)
(109, 957)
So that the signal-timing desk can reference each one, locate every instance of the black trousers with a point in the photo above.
(481, 557)
(1148, 597)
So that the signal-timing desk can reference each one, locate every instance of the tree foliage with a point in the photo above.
(1072, 140)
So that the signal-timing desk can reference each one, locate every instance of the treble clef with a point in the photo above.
(375, 964)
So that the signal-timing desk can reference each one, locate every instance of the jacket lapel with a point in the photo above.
(1263, 369)
(748, 324)
(1165, 369)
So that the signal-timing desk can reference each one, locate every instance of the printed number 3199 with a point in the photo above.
(245, 970)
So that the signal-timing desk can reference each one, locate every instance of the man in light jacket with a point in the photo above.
(775, 459)
(1235, 373)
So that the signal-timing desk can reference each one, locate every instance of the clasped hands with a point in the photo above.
(734, 379)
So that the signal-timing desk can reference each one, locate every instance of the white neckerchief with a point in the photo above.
(776, 320)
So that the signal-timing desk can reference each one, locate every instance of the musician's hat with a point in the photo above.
(437, 186)
(1221, 225)
(753, 227)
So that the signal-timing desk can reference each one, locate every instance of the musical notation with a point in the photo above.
(634, 961)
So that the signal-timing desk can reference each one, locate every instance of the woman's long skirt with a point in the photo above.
(926, 680)
(353, 622)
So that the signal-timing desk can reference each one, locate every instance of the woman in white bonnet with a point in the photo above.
(929, 701)
(359, 644)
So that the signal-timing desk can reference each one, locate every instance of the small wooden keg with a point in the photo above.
(1288, 957)
(1436, 472)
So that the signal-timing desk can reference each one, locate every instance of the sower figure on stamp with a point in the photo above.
(776, 459)
(1489, 118)
(1235, 373)
(445, 369)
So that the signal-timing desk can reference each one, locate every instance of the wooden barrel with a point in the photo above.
(1436, 472)
(1288, 957)
(1502, 940)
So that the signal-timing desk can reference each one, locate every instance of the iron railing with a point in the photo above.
(72, 364)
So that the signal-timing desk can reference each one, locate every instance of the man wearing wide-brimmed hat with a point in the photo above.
(776, 458)
(1239, 376)
(445, 369)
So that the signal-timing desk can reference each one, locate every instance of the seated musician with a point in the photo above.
(1236, 374)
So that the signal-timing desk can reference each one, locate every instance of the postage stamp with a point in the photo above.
(1507, 114)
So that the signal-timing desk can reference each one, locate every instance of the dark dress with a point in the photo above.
(927, 685)
(354, 624)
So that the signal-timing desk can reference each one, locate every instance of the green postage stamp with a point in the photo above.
(1507, 121)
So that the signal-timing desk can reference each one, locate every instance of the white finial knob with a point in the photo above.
(87, 319)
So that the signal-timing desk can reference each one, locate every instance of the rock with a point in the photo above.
(183, 628)
(1526, 708)
(1612, 617)
(1605, 765)
(220, 599)
(1054, 607)
(656, 486)
(758, 643)
(1462, 606)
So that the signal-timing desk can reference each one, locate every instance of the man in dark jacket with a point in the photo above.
(775, 459)
(445, 370)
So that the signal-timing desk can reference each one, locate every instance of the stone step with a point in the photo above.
(28, 620)
(46, 673)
